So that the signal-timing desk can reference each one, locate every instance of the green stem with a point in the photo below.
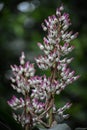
(53, 76)
(50, 117)
(27, 127)
(50, 121)
(27, 113)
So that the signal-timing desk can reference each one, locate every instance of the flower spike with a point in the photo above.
(37, 104)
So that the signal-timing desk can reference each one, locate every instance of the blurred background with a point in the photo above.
(20, 30)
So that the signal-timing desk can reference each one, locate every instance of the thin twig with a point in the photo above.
(46, 110)
(43, 123)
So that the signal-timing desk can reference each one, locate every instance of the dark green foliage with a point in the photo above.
(20, 31)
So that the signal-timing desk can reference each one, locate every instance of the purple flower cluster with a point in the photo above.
(38, 103)
(21, 74)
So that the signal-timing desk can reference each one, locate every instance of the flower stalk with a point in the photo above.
(37, 103)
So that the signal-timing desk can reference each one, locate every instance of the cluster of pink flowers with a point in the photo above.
(37, 103)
